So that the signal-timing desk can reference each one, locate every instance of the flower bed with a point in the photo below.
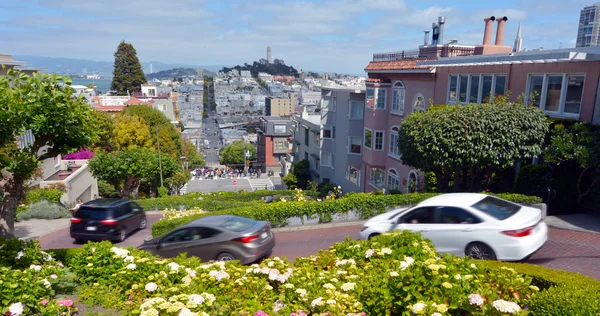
(392, 274)
(365, 205)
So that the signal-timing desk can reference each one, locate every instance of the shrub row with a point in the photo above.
(44, 210)
(365, 205)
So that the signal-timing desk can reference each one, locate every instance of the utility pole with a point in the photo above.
(159, 161)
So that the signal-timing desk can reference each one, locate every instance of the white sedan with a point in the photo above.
(472, 224)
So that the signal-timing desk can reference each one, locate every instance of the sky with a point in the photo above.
(317, 35)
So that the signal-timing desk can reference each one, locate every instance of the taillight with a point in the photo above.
(518, 232)
(246, 239)
(109, 222)
(75, 220)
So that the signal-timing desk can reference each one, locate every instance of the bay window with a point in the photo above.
(376, 178)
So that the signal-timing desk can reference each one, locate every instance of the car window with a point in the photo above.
(203, 233)
(455, 215)
(422, 215)
(496, 207)
(238, 224)
(134, 206)
(178, 236)
(92, 213)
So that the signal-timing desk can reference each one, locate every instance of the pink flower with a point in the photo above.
(54, 276)
(44, 302)
(261, 313)
(67, 303)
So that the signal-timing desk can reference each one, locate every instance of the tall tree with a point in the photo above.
(128, 73)
(42, 105)
(169, 137)
(467, 144)
(132, 131)
(104, 127)
(233, 154)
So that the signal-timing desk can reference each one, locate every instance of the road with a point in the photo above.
(565, 249)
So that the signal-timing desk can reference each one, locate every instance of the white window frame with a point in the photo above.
(382, 140)
(563, 93)
(393, 133)
(279, 125)
(350, 145)
(415, 101)
(373, 184)
(324, 162)
(370, 147)
(358, 175)
(480, 88)
(360, 105)
(382, 91)
(393, 174)
(398, 98)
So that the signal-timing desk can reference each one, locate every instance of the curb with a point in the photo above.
(573, 229)
(316, 226)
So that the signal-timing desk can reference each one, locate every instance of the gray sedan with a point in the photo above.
(220, 238)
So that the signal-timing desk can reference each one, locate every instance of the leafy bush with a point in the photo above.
(44, 210)
(107, 190)
(532, 178)
(83, 154)
(36, 195)
(163, 192)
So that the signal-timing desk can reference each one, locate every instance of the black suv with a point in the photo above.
(107, 219)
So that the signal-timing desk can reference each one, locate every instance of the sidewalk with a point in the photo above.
(578, 222)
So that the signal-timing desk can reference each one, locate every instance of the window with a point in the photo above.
(280, 145)
(325, 105)
(453, 84)
(370, 97)
(379, 135)
(496, 207)
(381, 94)
(462, 88)
(455, 215)
(306, 133)
(423, 215)
(486, 89)
(317, 137)
(306, 156)
(238, 224)
(560, 94)
(398, 95)
(356, 110)
(279, 129)
(394, 151)
(419, 103)
(355, 145)
(393, 180)
(474, 91)
(368, 139)
(333, 105)
(326, 159)
(500, 85)
(353, 175)
(377, 178)
(178, 236)
(327, 132)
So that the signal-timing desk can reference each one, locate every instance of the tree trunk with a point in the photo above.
(130, 187)
(8, 210)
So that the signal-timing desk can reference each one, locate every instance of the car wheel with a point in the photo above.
(479, 250)
(143, 223)
(374, 235)
(122, 235)
(225, 256)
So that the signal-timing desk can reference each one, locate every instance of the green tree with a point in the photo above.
(104, 128)
(466, 144)
(128, 74)
(178, 180)
(195, 160)
(301, 170)
(290, 181)
(43, 105)
(234, 153)
(169, 137)
(132, 131)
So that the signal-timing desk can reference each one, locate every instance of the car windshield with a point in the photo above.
(238, 224)
(92, 213)
(497, 208)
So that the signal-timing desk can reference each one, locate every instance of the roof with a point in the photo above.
(407, 65)
(351, 89)
(105, 202)
(211, 220)
(133, 101)
(110, 108)
(454, 199)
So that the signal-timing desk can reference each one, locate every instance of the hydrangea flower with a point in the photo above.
(174, 266)
(131, 266)
(186, 312)
(35, 267)
(120, 252)
(16, 309)
(348, 286)
(302, 292)
(46, 283)
(128, 259)
(386, 251)
(442, 308)
(44, 302)
(331, 302)
(20, 254)
(151, 287)
(219, 275)
(195, 298)
(54, 276)
(278, 305)
(475, 299)
(369, 253)
(261, 313)
(67, 303)
(506, 306)
(447, 285)
(394, 274)
(418, 307)
(316, 301)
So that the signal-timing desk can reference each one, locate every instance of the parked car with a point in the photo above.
(220, 238)
(472, 224)
(107, 219)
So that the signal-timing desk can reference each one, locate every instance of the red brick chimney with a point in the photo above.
(500, 31)
(487, 35)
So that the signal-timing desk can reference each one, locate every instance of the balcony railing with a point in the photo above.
(426, 52)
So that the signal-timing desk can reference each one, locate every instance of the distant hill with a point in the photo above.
(178, 73)
(76, 66)
(276, 68)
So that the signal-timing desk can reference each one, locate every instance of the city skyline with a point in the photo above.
(334, 35)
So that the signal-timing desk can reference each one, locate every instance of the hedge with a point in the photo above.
(563, 293)
(366, 205)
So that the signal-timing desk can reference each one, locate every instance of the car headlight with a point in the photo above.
(364, 228)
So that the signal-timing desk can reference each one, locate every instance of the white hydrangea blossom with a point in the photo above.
(317, 301)
(174, 266)
(128, 259)
(131, 266)
(348, 286)
(369, 253)
(186, 312)
(151, 287)
(16, 309)
(120, 252)
(418, 307)
(506, 306)
(35, 267)
(196, 298)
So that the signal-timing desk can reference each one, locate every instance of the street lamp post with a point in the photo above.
(159, 161)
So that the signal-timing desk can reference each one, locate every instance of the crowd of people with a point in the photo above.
(226, 173)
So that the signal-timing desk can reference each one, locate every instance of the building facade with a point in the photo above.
(306, 131)
(282, 107)
(273, 137)
(342, 126)
(588, 31)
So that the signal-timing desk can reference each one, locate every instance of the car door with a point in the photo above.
(175, 243)
(127, 217)
(419, 220)
(205, 243)
(138, 214)
(454, 228)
